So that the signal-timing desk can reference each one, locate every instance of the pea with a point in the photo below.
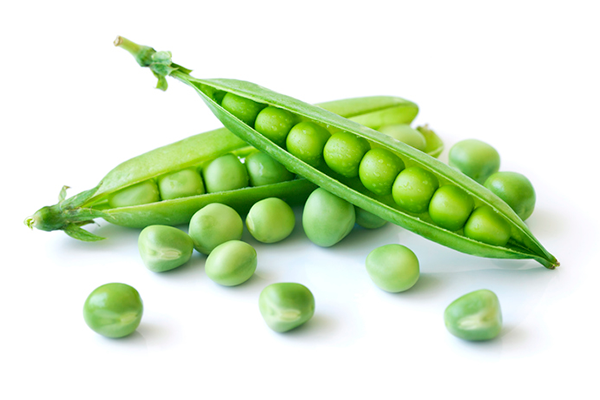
(487, 226)
(264, 170)
(184, 183)
(343, 153)
(393, 267)
(270, 220)
(368, 220)
(378, 170)
(225, 173)
(474, 158)
(164, 247)
(406, 134)
(515, 189)
(231, 263)
(285, 306)
(213, 225)
(306, 141)
(474, 316)
(113, 310)
(140, 193)
(326, 218)
(450, 207)
(244, 109)
(275, 124)
(413, 188)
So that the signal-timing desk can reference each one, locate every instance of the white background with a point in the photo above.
(520, 75)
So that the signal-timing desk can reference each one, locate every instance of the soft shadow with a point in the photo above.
(318, 326)
(135, 340)
(154, 332)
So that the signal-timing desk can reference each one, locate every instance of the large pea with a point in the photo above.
(213, 225)
(270, 220)
(487, 226)
(515, 189)
(231, 263)
(474, 316)
(285, 306)
(327, 219)
(306, 141)
(343, 153)
(474, 158)
(406, 134)
(378, 170)
(225, 173)
(184, 183)
(113, 310)
(275, 124)
(264, 170)
(393, 267)
(140, 193)
(413, 188)
(245, 109)
(164, 247)
(368, 220)
(450, 207)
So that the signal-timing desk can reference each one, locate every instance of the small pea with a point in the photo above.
(244, 109)
(225, 173)
(264, 170)
(306, 141)
(113, 310)
(285, 306)
(450, 207)
(184, 183)
(213, 225)
(141, 193)
(515, 189)
(487, 226)
(343, 153)
(406, 134)
(368, 220)
(326, 218)
(474, 316)
(393, 267)
(378, 170)
(164, 247)
(270, 220)
(474, 158)
(275, 124)
(413, 188)
(231, 263)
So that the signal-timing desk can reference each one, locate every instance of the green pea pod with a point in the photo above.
(522, 243)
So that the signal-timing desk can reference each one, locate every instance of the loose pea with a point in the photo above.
(306, 141)
(113, 310)
(264, 170)
(184, 183)
(343, 153)
(231, 263)
(474, 158)
(327, 219)
(213, 225)
(406, 134)
(141, 193)
(275, 124)
(393, 267)
(413, 188)
(450, 207)
(515, 189)
(368, 220)
(285, 306)
(270, 220)
(378, 170)
(164, 247)
(474, 316)
(225, 173)
(487, 226)
(243, 108)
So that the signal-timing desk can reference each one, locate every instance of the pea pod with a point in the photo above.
(521, 245)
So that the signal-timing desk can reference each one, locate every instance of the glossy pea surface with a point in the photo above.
(487, 226)
(244, 109)
(515, 189)
(413, 189)
(326, 218)
(450, 207)
(306, 141)
(285, 306)
(184, 183)
(113, 310)
(474, 316)
(474, 158)
(163, 248)
(231, 263)
(406, 134)
(378, 170)
(225, 173)
(264, 170)
(213, 225)
(368, 220)
(140, 193)
(393, 267)
(343, 153)
(275, 124)
(270, 220)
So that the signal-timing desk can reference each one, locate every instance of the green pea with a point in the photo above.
(113, 310)
(244, 109)
(474, 158)
(275, 124)
(326, 218)
(368, 220)
(231, 263)
(140, 193)
(213, 225)
(393, 267)
(413, 188)
(343, 153)
(164, 247)
(515, 189)
(487, 226)
(264, 170)
(184, 183)
(474, 316)
(378, 170)
(306, 141)
(270, 220)
(450, 207)
(225, 173)
(285, 306)
(406, 134)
